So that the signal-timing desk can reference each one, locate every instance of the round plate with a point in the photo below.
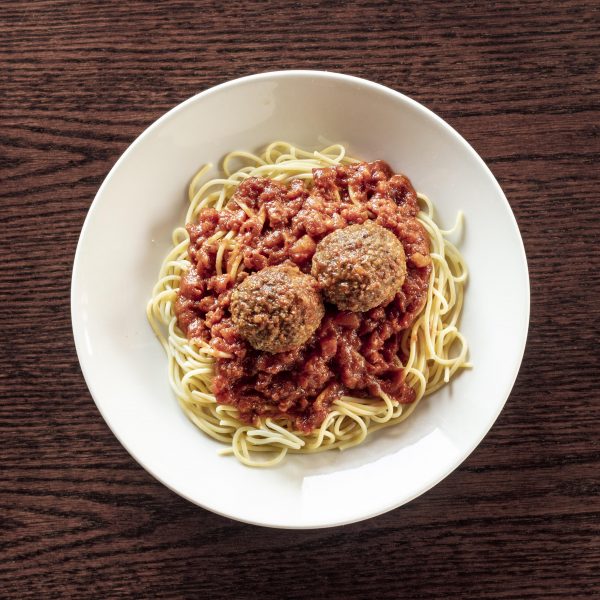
(128, 232)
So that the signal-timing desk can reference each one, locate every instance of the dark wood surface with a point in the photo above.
(80, 519)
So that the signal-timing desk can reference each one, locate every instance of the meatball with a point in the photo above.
(360, 266)
(277, 309)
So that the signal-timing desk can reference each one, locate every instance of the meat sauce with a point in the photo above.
(349, 353)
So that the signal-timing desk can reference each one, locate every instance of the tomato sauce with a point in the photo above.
(350, 353)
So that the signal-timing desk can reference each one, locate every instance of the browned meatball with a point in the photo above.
(277, 309)
(360, 267)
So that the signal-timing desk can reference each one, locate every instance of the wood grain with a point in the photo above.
(80, 519)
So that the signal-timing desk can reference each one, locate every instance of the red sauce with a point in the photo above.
(350, 353)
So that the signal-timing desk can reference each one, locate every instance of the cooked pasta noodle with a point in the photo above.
(435, 347)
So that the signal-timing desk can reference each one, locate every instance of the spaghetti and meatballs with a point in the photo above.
(355, 229)
(294, 295)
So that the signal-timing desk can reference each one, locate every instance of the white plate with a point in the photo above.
(127, 233)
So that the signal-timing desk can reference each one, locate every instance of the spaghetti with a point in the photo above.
(433, 347)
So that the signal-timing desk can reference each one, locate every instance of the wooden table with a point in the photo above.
(80, 519)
